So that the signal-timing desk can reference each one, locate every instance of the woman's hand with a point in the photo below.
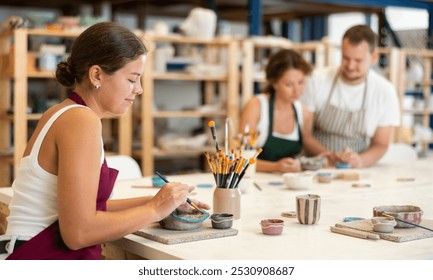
(171, 196)
(186, 208)
(287, 165)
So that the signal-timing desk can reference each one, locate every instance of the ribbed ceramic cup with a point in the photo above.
(308, 208)
(227, 201)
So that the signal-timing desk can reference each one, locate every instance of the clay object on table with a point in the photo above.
(222, 220)
(312, 163)
(410, 213)
(183, 220)
(383, 224)
(272, 226)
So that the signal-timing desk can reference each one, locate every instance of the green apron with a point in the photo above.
(276, 148)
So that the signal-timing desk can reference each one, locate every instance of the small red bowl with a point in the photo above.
(272, 226)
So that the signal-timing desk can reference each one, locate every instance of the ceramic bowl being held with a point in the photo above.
(408, 213)
(383, 224)
(272, 226)
(312, 163)
(298, 181)
(180, 220)
(222, 220)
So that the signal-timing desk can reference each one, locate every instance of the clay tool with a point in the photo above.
(214, 136)
(257, 186)
(187, 199)
(355, 233)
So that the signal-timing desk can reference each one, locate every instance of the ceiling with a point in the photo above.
(233, 10)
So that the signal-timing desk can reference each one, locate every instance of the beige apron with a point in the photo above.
(337, 129)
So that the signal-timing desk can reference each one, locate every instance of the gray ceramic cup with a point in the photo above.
(308, 208)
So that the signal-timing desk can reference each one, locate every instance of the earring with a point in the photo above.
(97, 86)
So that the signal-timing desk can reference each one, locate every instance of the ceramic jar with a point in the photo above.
(227, 201)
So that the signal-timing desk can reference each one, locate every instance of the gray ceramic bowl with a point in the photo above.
(178, 220)
(312, 163)
(222, 221)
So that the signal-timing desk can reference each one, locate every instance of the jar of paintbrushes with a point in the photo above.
(228, 168)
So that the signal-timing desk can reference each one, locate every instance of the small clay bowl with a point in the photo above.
(383, 224)
(222, 221)
(272, 226)
(312, 163)
(324, 177)
(178, 220)
(408, 213)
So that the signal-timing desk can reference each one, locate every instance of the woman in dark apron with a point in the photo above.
(278, 115)
(60, 207)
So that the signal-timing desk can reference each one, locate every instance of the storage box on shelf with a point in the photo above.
(415, 91)
(17, 69)
(213, 66)
(256, 50)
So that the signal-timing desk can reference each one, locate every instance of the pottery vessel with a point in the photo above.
(312, 163)
(227, 201)
(324, 177)
(308, 208)
(221, 221)
(179, 220)
(408, 213)
(272, 226)
(383, 224)
(298, 181)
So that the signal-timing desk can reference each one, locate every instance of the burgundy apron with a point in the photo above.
(48, 244)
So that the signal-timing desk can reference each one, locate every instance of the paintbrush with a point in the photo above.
(214, 136)
(187, 199)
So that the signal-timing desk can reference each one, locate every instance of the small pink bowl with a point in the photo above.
(272, 226)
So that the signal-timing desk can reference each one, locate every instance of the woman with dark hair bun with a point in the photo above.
(60, 208)
(277, 114)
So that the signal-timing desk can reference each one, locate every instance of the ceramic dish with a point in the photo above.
(312, 163)
(298, 181)
(222, 221)
(178, 220)
(272, 226)
(324, 177)
(383, 224)
(408, 213)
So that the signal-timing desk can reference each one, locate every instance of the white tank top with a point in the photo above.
(34, 203)
(263, 124)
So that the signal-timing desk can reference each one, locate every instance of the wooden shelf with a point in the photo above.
(188, 77)
(15, 55)
(213, 85)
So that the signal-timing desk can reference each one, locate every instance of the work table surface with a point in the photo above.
(388, 186)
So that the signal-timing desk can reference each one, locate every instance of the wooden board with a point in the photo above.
(165, 236)
(399, 234)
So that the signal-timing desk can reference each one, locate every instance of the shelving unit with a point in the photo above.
(255, 51)
(419, 86)
(15, 74)
(222, 86)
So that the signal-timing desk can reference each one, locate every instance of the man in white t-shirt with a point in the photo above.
(354, 108)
